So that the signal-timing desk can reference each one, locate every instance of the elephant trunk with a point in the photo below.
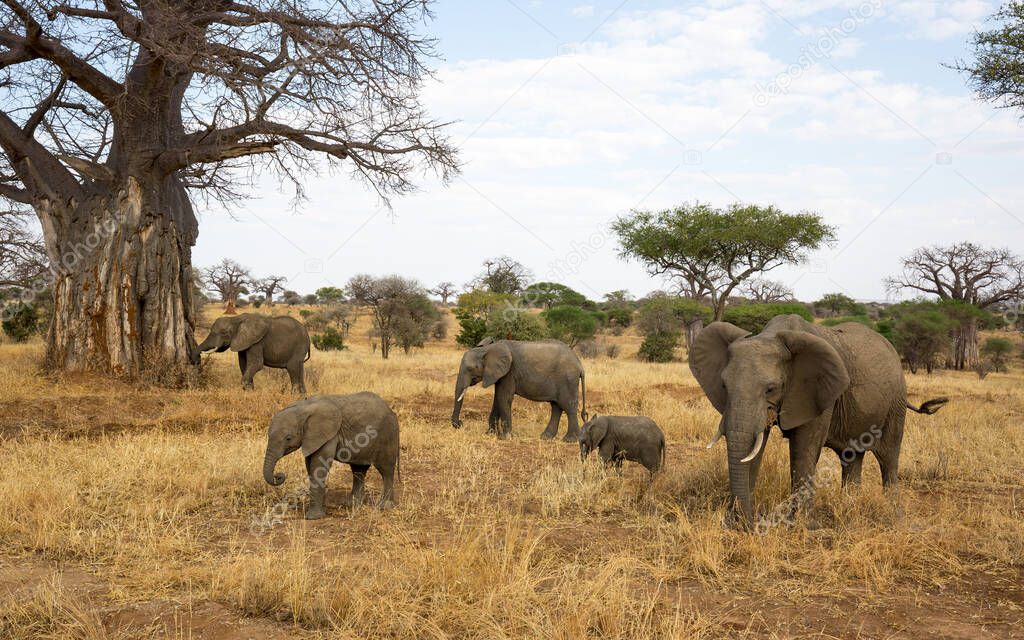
(269, 462)
(744, 439)
(460, 391)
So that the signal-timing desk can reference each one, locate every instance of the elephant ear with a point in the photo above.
(709, 354)
(323, 423)
(598, 432)
(497, 362)
(486, 341)
(817, 379)
(250, 331)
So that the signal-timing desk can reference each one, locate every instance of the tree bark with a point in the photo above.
(965, 345)
(122, 281)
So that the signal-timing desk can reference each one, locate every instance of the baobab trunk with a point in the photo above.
(965, 345)
(122, 281)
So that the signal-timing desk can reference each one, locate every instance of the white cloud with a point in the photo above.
(583, 11)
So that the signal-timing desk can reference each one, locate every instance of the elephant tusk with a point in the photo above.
(718, 436)
(757, 448)
(459, 399)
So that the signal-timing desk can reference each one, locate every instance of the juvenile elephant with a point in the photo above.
(619, 438)
(839, 387)
(278, 342)
(545, 371)
(358, 429)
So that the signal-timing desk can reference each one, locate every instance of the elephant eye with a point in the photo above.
(772, 388)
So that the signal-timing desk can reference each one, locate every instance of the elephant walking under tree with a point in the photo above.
(278, 342)
(544, 371)
(358, 429)
(840, 387)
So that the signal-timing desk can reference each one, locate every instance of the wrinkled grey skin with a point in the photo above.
(840, 387)
(543, 371)
(619, 438)
(278, 342)
(358, 429)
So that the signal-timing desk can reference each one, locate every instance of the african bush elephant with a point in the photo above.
(619, 438)
(278, 342)
(543, 371)
(840, 387)
(358, 429)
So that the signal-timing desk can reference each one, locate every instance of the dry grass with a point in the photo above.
(155, 493)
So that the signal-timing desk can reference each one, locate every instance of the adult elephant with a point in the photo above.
(839, 387)
(545, 371)
(278, 342)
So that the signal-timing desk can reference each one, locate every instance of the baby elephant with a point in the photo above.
(619, 438)
(359, 430)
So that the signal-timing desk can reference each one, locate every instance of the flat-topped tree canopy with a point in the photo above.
(115, 116)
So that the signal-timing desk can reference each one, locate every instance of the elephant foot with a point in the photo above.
(385, 505)
(571, 437)
(548, 435)
(315, 513)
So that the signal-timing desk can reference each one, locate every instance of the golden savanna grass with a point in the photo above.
(119, 498)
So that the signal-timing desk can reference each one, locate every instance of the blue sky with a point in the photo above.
(571, 113)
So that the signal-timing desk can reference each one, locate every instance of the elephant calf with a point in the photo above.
(619, 438)
(358, 429)
(278, 342)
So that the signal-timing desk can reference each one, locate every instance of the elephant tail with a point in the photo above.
(583, 404)
(309, 348)
(929, 407)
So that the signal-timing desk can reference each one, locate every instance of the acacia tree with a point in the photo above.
(716, 250)
(115, 115)
(267, 286)
(968, 273)
(396, 304)
(229, 279)
(502, 275)
(997, 72)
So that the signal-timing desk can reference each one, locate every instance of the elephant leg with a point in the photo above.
(241, 362)
(805, 445)
(572, 414)
(253, 363)
(503, 394)
(852, 464)
(494, 417)
(552, 429)
(887, 450)
(387, 498)
(318, 465)
(297, 376)
(358, 482)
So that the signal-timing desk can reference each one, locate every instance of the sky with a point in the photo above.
(569, 114)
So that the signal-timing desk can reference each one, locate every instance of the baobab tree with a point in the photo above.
(229, 279)
(964, 272)
(444, 290)
(267, 286)
(115, 116)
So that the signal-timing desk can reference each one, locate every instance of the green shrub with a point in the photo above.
(997, 352)
(330, 340)
(659, 347)
(753, 317)
(569, 324)
(864, 320)
(620, 317)
(472, 311)
(20, 321)
(514, 324)
(665, 315)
